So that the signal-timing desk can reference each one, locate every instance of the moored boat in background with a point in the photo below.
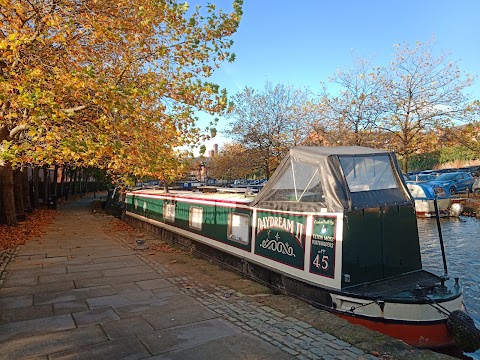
(424, 195)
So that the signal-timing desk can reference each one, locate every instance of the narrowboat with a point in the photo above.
(425, 195)
(335, 226)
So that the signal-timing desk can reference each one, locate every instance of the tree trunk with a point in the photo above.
(26, 190)
(62, 181)
(53, 193)
(8, 215)
(46, 185)
(66, 185)
(80, 182)
(405, 163)
(68, 174)
(36, 187)
(75, 181)
(18, 194)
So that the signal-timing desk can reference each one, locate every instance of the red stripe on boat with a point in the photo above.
(415, 334)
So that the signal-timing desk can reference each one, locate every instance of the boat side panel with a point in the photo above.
(281, 238)
(362, 247)
(278, 240)
(214, 223)
(401, 246)
(379, 243)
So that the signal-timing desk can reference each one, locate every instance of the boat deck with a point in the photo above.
(409, 286)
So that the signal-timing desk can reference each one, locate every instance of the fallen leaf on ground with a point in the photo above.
(33, 227)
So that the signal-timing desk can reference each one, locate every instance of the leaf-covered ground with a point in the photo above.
(34, 226)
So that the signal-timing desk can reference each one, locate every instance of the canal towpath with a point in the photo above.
(86, 290)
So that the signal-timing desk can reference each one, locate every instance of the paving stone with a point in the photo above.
(294, 333)
(187, 336)
(106, 280)
(345, 357)
(350, 355)
(228, 351)
(303, 324)
(328, 337)
(125, 328)
(58, 253)
(25, 313)
(341, 343)
(119, 258)
(110, 254)
(37, 272)
(35, 289)
(290, 351)
(32, 327)
(333, 351)
(71, 295)
(24, 281)
(180, 317)
(16, 302)
(131, 349)
(53, 342)
(79, 260)
(69, 307)
(127, 271)
(166, 292)
(328, 357)
(156, 306)
(44, 279)
(125, 288)
(120, 299)
(266, 337)
(298, 328)
(306, 345)
(153, 284)
(95, 316)
(355, 350)
(334, 345)
(90, 267)
(318, 351)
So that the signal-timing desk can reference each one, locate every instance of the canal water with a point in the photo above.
(461, 237)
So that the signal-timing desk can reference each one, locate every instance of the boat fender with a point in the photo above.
(463, 330)
(456, 209)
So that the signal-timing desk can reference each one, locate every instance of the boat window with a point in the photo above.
(299, 183)
(169, 212)
(195, 217)
(366, 173)
(238, 226)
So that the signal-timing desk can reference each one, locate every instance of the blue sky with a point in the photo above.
(302, 43)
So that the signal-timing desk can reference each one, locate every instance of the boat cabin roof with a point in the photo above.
(225, 197)
(334, 179)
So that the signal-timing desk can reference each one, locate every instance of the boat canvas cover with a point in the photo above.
(334, 179)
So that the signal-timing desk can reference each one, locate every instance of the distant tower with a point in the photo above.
(215, 149)
(210, 153)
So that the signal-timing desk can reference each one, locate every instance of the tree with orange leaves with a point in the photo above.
(112, 84)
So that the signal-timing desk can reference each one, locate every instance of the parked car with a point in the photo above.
(474, 170)
(476, 187)
(455, 181)
(427, 172)
(447, 170)
(421, 178)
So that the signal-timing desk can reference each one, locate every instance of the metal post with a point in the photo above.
(437, 215)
